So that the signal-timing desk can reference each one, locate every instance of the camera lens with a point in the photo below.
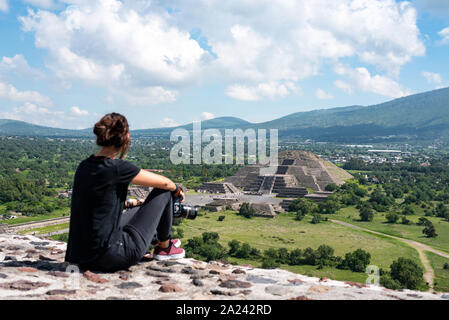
(189, 212)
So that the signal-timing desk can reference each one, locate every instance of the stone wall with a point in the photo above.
(33, 268)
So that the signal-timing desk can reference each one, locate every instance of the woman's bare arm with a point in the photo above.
(150, 179)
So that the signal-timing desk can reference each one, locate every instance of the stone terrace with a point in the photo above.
(33, 268)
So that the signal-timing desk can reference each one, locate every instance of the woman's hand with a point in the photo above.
(181, 194)
(131, 203)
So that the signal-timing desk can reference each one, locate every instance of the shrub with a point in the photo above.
(446, 266)
(331, 187)
(295, 257)
(212, 251)
(193, 245)
(330, 206)
(392, 217)
(255, 253)
(178, 233)
(270, 253)
(247, 210)
(310, 257)
(302, 205)
(316, 218)
(283, 256)
(221, 218)
(205, 247)
(408, 210)
(387, 282)
(210, 237)
(356, 261)
(407, 273)
(299, 215)
(366, 214)
(234, 246)
(269, 264)
(324, 255)
(244, 251)
(430, 231)
(423, 222)
(406, 221)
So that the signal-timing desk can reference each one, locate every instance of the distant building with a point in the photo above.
(385, 151)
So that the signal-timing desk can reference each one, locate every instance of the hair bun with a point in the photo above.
(112, 130)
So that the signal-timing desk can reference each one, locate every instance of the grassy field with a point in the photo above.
(45, 230)
(441, 281)
(284, 231)
(413, 232)
(55, 214)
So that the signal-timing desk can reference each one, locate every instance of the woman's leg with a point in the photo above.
(153, 218)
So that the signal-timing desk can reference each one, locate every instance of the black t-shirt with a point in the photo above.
(99, 191)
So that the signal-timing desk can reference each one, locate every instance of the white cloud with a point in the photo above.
(363, 80)
(9, 92)
(123, 44)
(148, 96)
(346, 87)
(261, 42)
(168, 122)
(45, 4)
(78, 112)
(322, 95)
(207, 116)
(19, 65)
(444, 34)
(432, 77)
(4, 5)
(270, 90)
(31, 113)
(136, 44)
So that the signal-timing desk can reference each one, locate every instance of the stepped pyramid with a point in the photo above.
(297, 172)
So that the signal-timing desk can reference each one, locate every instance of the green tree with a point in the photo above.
(234, 246)
(392, 217)
(356, 261)
(295, 257)
(316, 218)
(244, 252)
(269, 264)
(430, 231)
(247, 210)
(210, 237)
(283, 255)
(405, 221)
(408, 210)
(423, 222)
(407, 273)
(366, 214)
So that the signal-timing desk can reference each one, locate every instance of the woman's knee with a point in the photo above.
(156, 192)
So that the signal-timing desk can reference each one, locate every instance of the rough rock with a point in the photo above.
(169, 287)
(30, 277)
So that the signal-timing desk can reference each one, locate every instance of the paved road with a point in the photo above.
(429, 275)
(202, 199)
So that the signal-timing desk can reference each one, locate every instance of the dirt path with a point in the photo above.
(429, 274)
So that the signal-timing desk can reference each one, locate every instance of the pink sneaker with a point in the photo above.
(176, 242)
(171, 252)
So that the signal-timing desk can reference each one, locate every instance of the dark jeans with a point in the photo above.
(139, 227)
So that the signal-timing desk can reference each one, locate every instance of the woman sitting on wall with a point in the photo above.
(102, 235)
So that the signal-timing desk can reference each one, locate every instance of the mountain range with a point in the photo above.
(418, 117)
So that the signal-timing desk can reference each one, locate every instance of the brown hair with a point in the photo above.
(113, 130)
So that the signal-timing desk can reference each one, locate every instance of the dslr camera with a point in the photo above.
(183, 210)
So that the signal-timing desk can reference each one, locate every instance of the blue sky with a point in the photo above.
(64, 63)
